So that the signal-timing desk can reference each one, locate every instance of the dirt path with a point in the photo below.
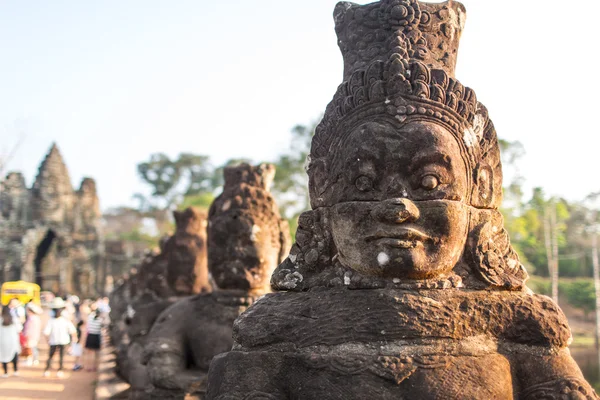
(31, 385)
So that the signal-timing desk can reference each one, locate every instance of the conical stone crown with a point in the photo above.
(52, 192)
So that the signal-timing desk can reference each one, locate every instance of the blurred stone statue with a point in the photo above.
(177, 269)
(247, 239)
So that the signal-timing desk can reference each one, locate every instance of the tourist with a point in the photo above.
(32, 330)
(76, 305)
(76, 349)
(10, 347)
(94, 338)
(17, 310)
(70, 308)
(60, 331)
(85, 310)
(104, 309)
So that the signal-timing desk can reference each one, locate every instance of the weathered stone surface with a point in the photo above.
(187, 270)
(184, 340)
(151, 275)
(53, 198)
(316, 376)
(246, 235)
(143, 313)
(14, 199)
(51, 234)
(402, 283)
(246, 240)
(384, 316)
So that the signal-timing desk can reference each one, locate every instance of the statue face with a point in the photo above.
(242, 252)
(400, 200)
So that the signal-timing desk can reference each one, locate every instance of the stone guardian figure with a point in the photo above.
(402, 283)
(247, 239)
(178, 270)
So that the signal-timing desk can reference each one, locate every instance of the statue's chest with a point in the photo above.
(405, 377)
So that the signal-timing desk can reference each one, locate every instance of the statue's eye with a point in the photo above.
(364, 183)
(429, 182)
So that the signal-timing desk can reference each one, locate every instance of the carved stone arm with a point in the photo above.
(165, 359)
(260, 383)
(551, 376)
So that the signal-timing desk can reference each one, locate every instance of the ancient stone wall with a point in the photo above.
(50, 233)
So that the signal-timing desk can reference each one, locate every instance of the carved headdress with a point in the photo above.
(399, 62)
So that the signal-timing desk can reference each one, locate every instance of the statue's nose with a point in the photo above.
(396, 210)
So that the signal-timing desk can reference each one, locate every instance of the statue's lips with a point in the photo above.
(401, 238)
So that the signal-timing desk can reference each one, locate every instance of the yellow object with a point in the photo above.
(24, 291)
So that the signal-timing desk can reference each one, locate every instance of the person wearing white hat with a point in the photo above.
(60, 331)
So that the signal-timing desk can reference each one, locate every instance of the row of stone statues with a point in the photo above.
(402, 283)
(174, 314)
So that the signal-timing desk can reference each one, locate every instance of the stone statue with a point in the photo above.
(402, 283)
(187, 271)
(178, 269)
(120, 298)
(50, 233)
(247, 239)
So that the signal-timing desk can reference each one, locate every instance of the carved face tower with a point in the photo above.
(405, 176)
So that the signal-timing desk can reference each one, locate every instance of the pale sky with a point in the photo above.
(113, 81)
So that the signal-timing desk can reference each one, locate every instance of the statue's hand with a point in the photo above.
(551, 376)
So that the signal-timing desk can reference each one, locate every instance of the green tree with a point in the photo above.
(171, 180)
(290, 187)
(581, 294)
(163, 175)
(197, 172)
(516, 221)
(538, 227)
(212, 182)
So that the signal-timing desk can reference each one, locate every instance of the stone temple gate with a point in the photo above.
(50, 233)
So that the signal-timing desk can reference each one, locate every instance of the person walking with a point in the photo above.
(60, 331)
(76, 350)
(33, 330)
(104, 309)
(17, 310)
(94, 338)
(10, 346)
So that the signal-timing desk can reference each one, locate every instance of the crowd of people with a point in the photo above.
(67, 325)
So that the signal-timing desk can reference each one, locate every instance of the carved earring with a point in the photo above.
(317, 182)
(490, 254)
(311, 251)
(483, 192)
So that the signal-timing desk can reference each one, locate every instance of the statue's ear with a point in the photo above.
(317, 181)
(267, 175)
(483, 186)
(177, 217)
(311, 255)
(490, 254)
